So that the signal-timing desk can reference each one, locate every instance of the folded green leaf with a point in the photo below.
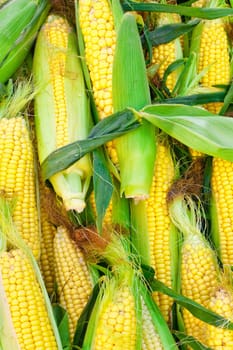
(196, 309)
(106, 130)
(19, 24)
(61, 318)
(204, 132)
(190, 341)
(197, 99)
(208, 13)
(166, 33)
(102, 185)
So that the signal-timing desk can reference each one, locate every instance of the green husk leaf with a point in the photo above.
(166, 33)
(196, 309)
(102, 185)
(131, 89)
(84, 317)
(120, 209)
(106, 130)
(62, 321)
(227, 100)
(190, 341)
(207, 13)
(194, 127)
(197, 99)
(20, 28)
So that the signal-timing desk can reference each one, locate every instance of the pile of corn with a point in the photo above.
(128, 245)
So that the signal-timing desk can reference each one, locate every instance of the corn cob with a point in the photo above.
(150, 338)
(115, 311)
(26, 304)
(222, 208)
(199, 266)
(73, 279)
(27, 320)
(99, 35)
(48, 231)
(61, 106)
(157, 224)
(17, 166)
(210, 42)
(20, 21)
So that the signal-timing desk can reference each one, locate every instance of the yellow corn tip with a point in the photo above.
(116, 328)
(72, 276)
(199, 278)
(26, 303)
(56, 30)
(159, 222)
(214, 52)
(47, 235)
(221, 303)
(222, 190)
(96, 22)
(150, 338)
(17, 178)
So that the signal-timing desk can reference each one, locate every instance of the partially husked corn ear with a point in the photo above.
(199, 267)
(72, 276)
(210, 42)
(222, 208)
(26, 303)
(113, 321)
(48, 231)
(99, 35)
(199, 277)
(17, 178)
(62, 113)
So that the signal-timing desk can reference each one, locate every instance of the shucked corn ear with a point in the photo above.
(48, 231)
(62, 112)
(26, 315)
(222, 208)
(96, 21)
(17, 165)
(29, 318)
(199, 266)
(136, 150)
(72, 276)
(152, 225)
(20, 21)
(210, 43)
